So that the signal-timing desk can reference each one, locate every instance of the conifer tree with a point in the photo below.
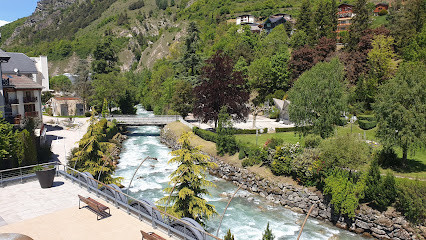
(304, 21)
(190, 183)
(229, 235)
(267, 235)
(104, 108)
(360, 23)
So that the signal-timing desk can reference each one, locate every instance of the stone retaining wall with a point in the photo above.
(369, 222)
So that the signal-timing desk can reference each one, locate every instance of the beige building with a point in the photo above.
(67, 106)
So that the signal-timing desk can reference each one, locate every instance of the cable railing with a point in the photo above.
(185, 228)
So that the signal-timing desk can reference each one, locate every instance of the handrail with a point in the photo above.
(30, 166)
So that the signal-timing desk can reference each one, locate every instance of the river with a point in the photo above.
(247, 215)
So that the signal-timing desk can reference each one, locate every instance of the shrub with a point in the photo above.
(226, 144)
(345, 189)
(274, 113)
(411, 198)
(387, 157)
(137, 5)
(248, 131)
(345, 151)
(342, 121)
(383, 12)
(87, 114)
(242, 154)
(248, 162)
(290, 129)
(367, 117)
(312, 141)
(282, 162)
(273, 143)
(367, 125)
(204, 134)
(306, 167)
(381, 192)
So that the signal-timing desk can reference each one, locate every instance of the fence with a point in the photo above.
(144, 210)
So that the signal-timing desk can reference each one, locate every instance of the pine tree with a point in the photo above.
(191, 60)
(104, 108)
(229, 235)
(190, 183)
(304, 21)
(267, 235)
(360, 23)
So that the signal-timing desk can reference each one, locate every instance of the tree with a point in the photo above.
(380, 58)
(321, 111)
(183, 98)
(104, 108)
(127, 104)
(400, 109)
(304, 21)
(190, 59)
(105, 56)
(360, 23)
(60, 83)
(225, 142)
(221, 86)
(190, 183)
(82, 85)
(229, 235)
(111, 86)
(27, 149)
(8, 143)
(267, 235)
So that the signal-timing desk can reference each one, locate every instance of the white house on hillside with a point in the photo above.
(244, 19)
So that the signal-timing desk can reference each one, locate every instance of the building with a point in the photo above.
(244, 19)
(344, 17)
(282, 106)
(272, 22)
(22, 98)
(67, 106)
(34, 68)
(380, 7)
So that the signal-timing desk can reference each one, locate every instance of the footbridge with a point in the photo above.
(134, 120)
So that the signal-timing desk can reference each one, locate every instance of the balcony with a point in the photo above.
(31, 114)
(30, 99)
(12, 101)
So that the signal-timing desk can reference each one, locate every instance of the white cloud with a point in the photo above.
(2, 22)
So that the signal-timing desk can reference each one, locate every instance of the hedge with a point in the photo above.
(205, 134)
(249, 131)
(342, 121)
(370, 118)
(290, 129)
(367, 125)
(411, 198)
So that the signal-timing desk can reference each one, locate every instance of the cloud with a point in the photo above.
(2, 22)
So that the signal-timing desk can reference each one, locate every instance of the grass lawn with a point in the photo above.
(379, 21)
(415, 167)
(288, 137)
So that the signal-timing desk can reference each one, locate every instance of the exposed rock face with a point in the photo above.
(46, 9)
(367, 221)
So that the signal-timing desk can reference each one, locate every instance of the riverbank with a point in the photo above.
(283, 191)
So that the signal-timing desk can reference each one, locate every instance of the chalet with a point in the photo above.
(380, 7)
(67, 106)
(344, 17)
(245, 19)
(272, 22)
(282, 106)
(286, 16)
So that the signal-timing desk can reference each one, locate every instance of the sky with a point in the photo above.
(11, 10)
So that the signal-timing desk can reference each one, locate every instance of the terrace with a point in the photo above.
(53, 213)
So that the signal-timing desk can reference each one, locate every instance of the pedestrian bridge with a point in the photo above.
(135, 120)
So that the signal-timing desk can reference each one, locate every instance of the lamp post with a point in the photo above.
(4, 58)
(130, 184)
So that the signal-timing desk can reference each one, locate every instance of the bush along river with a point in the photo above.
(248, 213)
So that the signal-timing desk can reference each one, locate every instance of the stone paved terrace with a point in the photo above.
(53, 213)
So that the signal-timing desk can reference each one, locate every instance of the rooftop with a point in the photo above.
(19, 61)
(21, 82)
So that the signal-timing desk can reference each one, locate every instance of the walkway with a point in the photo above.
(53, 214)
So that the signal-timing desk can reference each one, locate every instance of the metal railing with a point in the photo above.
(18, 174)
(165, 222)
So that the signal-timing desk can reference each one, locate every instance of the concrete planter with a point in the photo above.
(46, 177)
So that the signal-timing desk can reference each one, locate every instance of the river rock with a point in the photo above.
(361, 224)
(378, 231)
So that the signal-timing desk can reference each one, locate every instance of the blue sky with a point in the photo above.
(11, 10)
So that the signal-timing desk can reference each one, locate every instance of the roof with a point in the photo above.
(20, 61)
(21, 82)
(243, 15)
(382, 4)
(3, 54)
(345, 4)
(274, 19)
(67, 98)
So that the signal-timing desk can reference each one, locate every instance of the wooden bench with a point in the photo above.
(151, 236)
(96, 206)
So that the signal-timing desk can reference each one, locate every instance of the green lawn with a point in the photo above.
(379, 21)
(289, 137)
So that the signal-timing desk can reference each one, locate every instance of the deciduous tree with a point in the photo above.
(400, 109)
(318, 98)
(221, 86)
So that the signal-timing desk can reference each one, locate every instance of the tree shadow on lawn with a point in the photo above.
(410, 166)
